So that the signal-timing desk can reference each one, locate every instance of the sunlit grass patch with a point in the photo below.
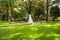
(56, 35)
(24, 31)
(57, 39)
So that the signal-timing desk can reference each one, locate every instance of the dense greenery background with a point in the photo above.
(17, 10)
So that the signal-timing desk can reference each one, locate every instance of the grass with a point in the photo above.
(38, 31)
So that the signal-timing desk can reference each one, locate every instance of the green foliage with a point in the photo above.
(18, 9)
(55, 12)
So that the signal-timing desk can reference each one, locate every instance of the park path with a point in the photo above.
(25, 24)
(16, 24)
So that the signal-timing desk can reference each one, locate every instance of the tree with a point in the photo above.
(29, 10)
(55, 12)
(9, 6)
(40, 10)
(48, 4)
(31, 7)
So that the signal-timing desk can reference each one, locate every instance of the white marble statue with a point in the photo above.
(30, 20)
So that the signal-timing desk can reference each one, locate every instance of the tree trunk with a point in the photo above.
(53, 18)
(47, 11)
(10, 11)
(9, 18)
(30, 20)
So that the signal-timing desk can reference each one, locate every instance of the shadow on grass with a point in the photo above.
(31, 33)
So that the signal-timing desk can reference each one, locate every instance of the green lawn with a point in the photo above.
(22, 31)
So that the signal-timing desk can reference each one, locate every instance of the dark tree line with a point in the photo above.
(55, 13)
(12, 10)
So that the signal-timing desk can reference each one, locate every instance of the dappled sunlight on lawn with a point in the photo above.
(56, 35)
(12, 35)
(57, 39)
(38, 31)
